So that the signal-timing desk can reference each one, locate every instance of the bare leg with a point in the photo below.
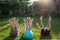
(30, 23)
(49, 23)
(41, 21)
(37, 24)
(17, 25)
(25, 24)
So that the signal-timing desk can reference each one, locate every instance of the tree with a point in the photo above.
(40, 8)
(14, 7)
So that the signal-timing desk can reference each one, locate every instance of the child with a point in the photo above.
(14, 27)
(45, 31)
(28, 28)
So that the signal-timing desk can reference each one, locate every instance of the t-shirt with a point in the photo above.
(45, 32)
(14, 31)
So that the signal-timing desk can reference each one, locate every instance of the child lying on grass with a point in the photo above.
(28, 28)
(45, 31)
(14, 27)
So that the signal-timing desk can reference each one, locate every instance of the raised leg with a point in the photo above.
(30, 23)
(49, 23)
(25, 24)
(41, 21)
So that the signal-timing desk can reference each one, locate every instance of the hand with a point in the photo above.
(28, 18)
(30, 21)
(41, 17)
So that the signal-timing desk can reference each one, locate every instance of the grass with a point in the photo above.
(5, 29)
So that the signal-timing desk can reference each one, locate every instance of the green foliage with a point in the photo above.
(13, 7)
(21, 8)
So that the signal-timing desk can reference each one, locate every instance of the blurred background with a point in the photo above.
(33, 8)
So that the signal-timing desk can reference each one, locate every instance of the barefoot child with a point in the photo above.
(14, 27)
(45, 31)
(28, 28)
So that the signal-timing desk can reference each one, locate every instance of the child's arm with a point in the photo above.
(38, 26)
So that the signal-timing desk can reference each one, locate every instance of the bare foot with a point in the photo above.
(29, 18)
(30, 21)
(49, 17)
(41, 17)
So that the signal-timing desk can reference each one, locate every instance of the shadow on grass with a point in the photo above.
(2, 24)
(10, 38)
(46, 37)
(4, 29)
(24, 38)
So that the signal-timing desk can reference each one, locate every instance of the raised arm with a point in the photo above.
(41, 22)
(38, 26)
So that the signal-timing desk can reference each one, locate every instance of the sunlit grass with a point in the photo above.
(5, 29)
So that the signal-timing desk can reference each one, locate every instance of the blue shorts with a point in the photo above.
(28, 34)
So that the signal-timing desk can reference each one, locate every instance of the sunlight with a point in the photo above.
(46, 5)
(32, 1)
(45, 1)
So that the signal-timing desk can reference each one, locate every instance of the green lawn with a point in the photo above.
(5, 29)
